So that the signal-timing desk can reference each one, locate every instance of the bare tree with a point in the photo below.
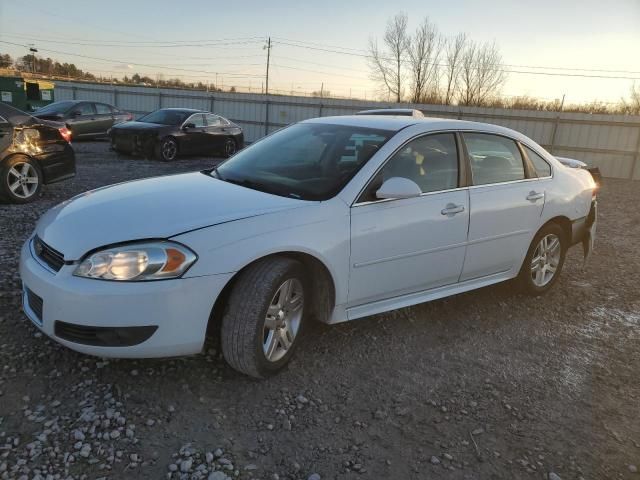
(453, 55)
(632, 106)
(386, 62)
(481, 75)
(423, 50)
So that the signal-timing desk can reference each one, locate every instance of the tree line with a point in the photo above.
(426, 67)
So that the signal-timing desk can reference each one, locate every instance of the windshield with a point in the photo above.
(166, 117)
(56, 108)
(307, 161)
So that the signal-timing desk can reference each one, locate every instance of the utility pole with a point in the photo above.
(266, 90)
(268, 61)
(34, 51)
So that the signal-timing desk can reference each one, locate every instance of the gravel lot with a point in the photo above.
(485, 385)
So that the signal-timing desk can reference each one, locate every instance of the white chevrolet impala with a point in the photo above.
(334, 219)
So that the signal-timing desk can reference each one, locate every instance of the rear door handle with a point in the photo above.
(535, 196)
(452, 209)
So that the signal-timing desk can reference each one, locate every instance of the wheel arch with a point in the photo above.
(26, 155)
(323, 288)
(564, 223)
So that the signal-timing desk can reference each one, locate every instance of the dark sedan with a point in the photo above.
(33, 152)
(169, 132)
(85, 119)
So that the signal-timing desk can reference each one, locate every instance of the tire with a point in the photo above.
(167, 149)
(229, 148)
(536, 277)
(254, 325)
(21, 179)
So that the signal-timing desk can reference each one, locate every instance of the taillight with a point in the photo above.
(66, 134)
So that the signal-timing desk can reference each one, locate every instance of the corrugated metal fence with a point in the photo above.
(611, 142)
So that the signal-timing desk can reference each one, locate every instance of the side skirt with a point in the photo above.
(342, 314)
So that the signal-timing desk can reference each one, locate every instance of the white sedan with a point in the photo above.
(334, 219)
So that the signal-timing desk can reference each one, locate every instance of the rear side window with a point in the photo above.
(214, 120)
(103, 109)
(494, 159)
(430, 161)
(543, 169)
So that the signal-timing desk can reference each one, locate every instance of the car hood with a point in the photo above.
(159, 207)
(138, 126)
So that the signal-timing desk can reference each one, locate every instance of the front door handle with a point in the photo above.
(535, 196)
(452, 209)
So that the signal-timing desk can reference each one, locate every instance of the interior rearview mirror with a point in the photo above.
(398, 187)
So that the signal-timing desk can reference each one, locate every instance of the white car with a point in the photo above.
(334, 218)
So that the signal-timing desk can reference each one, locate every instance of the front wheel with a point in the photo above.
(264, 317)
(544, 260)
(230, 147)
(167, 149)
(21, 179)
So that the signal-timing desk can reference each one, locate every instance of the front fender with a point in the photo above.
(320, 230)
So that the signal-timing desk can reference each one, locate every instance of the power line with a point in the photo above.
(134, 63)
(126, 43)
(195, 43)
(581, 75)
(317, 71)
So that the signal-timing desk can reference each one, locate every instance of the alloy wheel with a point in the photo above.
(229, 147)
(23, 180)
(169, 149)
(283, 320)
(545, 260)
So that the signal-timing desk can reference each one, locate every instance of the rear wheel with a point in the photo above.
(21, 179)
(167, 149)
(544, 260)
(264, 317)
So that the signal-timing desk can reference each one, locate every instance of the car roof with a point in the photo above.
(407, 112)
(185, 110)
(397, 123)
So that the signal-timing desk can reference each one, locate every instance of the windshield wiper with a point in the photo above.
(261, 187)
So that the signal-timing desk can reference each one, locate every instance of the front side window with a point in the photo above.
(543, 169)
(307, 160)
(85, 109)
(494, 159)
(430, 161)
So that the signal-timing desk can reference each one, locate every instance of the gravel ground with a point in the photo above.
(484, 385)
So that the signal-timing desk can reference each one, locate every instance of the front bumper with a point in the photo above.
(179, 308)
(133, 142)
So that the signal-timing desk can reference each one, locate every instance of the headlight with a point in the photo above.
(137, 262)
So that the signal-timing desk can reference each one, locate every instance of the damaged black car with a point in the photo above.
(170, 132)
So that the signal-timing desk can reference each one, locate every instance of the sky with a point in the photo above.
(228, 38)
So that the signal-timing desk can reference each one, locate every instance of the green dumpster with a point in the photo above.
(27, 94)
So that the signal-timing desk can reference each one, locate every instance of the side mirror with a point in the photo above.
(76, 113)
(398, 187)
(187, 126)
